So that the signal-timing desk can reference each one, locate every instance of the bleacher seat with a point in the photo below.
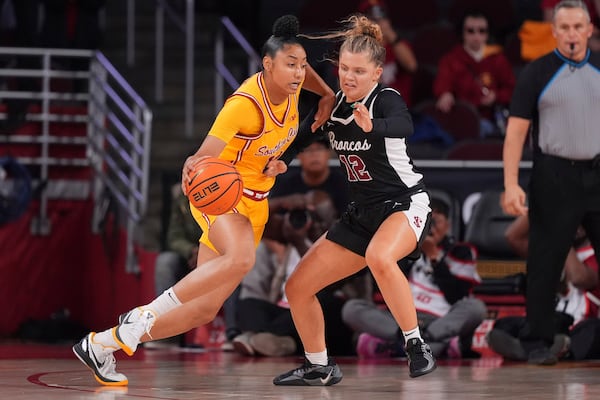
(422, 83)
(454, 209)
(462, 121)
(488, 149)
(432, 41)
(419, 13)
(486, 226)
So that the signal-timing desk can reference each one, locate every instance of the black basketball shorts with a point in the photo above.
(358, 224)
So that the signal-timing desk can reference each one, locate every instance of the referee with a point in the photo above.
(558, 97)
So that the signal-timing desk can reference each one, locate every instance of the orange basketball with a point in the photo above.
(214, 187)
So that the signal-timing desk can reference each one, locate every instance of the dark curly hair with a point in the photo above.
(285, 32)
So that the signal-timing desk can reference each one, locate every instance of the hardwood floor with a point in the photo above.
(41, 372)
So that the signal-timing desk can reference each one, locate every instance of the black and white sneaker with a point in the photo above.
(132, 326)
(103, 366)
(311, 375)
(420, 358)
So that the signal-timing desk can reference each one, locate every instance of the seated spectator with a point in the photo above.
(577, 304)
(477, 73)
(400, 61)
(441, 281)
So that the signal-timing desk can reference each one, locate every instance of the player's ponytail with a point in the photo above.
(360, 35)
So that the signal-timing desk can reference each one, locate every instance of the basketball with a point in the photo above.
(214, 187)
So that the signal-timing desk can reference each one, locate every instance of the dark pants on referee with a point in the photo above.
(563, 194)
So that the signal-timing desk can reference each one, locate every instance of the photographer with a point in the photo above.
(314, 174)
(441, 282)
(263, 311)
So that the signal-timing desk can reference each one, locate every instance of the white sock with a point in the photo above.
(412, 334)
(319, 358)
(164, 303)
(104, 343)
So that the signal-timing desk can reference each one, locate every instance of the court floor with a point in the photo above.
(36, 372)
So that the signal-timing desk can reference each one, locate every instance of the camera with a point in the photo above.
(298, 218)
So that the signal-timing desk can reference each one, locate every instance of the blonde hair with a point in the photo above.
(361, 35)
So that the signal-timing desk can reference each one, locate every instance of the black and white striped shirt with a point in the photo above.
(562, 100)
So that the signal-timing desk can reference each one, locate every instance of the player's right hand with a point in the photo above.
(512, 201)
(188, 167)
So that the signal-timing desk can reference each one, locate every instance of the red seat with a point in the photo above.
(476, 150)
(512, 50)
(431, 42)
(462, 121)
(422, 84)
(418, 14)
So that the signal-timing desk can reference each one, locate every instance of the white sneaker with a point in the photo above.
(132, 327)
(103, 366)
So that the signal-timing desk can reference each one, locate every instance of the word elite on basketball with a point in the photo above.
(202, 193)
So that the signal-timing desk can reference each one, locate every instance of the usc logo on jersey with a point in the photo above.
(417, 221)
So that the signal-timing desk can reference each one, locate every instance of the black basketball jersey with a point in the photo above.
(376, 163)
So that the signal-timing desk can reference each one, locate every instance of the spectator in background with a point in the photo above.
(576, 317)
(477, 73)
(400, 61)
(441, 281)
(314, 173)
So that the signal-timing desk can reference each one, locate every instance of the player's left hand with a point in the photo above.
(326, 104)
(362, 117)
(275, 167)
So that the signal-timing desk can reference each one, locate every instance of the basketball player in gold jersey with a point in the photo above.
(256, 125)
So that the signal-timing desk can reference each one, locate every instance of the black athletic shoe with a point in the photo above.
(420, 358)
(542, 356)
(311, 375)
(506, 345)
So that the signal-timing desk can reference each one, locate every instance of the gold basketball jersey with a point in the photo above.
(263, 130)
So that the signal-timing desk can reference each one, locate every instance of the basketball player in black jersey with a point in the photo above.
(387, 217)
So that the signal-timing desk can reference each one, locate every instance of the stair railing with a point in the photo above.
(184, 23)
(118, 126)
(222, 72)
